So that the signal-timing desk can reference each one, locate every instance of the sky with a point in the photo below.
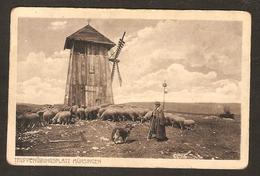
(199, 60)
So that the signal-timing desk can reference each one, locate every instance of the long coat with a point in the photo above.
(157, 125)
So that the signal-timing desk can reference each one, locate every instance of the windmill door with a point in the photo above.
(90, 95)
(93, 97)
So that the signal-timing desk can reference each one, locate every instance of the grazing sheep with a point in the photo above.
(47, 116)
(174, 120)
(63, 117)
(189, 124)
(55, 110)
(81, 113)
(133, 113)
(116, 113)
(40, 113)
(109, 114)
(73, 110)
(66, 108)
(91, 112)
(124, 113)
(28, 120)
(121, 113)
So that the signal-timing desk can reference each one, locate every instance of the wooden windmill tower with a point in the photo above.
(89, 78)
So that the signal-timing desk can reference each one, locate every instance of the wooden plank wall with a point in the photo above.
(83, 86)
(67, 89)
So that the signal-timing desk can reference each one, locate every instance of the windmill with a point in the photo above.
(114, 59)
(89, 77)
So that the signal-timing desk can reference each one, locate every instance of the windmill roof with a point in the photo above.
(88, 34)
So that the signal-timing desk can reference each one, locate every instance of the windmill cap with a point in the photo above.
(88, 34)
(157, 103)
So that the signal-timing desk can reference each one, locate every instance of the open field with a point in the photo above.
(212, 138)
(194, 108)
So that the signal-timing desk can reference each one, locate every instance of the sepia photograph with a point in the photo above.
(129, 88)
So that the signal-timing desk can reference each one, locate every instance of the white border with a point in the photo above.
(245, 17)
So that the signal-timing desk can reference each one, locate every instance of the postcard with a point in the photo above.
(129, 88)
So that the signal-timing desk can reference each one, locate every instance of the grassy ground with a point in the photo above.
(210, 139)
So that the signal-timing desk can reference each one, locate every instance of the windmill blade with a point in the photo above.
(113, 58)
(119, 75)
(120, 45)
(113, 71)
(119, 48)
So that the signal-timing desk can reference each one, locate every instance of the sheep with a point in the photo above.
(73, 109)
(63, 117)
(124, 113)
(189, 124)
(132, 113)
(81, 113)
(114, 113)
(110, 114)
(121, 112)
(91, 112)
(47, 116)
(55, 110)
(66, 108)
(174, 120)
(28, 120)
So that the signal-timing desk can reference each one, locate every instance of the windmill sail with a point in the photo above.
(119, 75)
(115, 61)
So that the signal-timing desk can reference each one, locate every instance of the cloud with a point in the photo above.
(42, 79)
(39, 65)
(213, 46)
(227, 92)
(56, 25)
(40, 91)
(199, 60)
(183, 86)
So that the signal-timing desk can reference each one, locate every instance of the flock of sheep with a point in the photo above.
(69, 115)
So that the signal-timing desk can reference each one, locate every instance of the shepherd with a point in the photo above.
(157, 124)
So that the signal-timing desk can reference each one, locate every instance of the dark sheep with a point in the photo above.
(28, 120)
(91, 112)
(81, 113)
